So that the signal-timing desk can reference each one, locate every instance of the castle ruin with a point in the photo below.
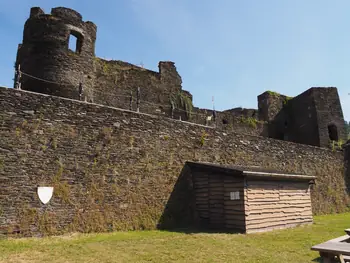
(314, 117)
(74, 125)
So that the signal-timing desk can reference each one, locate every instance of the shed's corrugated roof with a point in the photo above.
(250, 171)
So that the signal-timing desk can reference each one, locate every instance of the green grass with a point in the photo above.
(291, 245)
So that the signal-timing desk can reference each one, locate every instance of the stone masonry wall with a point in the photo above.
(270, 104)
(114, 169)
(302, 119)
(44, 53)
(115, 81)
(329, 112)
(239, 120)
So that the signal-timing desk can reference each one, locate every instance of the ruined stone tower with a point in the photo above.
(47, 63)
(314, 117)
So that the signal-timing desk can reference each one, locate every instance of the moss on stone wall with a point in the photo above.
(181, 101)
(273, 93)
(252, 122)
(61, 188)
(117, 170)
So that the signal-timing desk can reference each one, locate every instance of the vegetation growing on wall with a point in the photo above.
(204, 136)
(61, 187)
(181, 101)
(120, 170)
(273, 93)
(252, 122)
(286, 100)
(110, 67)
(337, 145)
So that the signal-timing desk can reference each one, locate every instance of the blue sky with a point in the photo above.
(232, 50)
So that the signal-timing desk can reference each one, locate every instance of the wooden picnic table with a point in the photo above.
(335, 248)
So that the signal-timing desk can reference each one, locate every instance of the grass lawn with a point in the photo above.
(291, 245)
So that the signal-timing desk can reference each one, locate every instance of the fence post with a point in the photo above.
(130, 106)
(214, 117)
(80, 90)
(138, 100)
(18, 77)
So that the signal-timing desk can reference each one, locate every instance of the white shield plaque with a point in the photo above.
(45, 194)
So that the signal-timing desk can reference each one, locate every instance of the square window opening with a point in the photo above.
(75, 42)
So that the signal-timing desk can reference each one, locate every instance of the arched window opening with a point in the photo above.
(224, 121)
(333, 132)
(75, 42)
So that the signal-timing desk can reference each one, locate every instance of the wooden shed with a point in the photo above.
(249, 199)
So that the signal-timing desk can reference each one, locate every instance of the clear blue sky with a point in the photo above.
(232, 50)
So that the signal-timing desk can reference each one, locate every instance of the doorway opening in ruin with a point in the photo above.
(75, 42)
(333, 132)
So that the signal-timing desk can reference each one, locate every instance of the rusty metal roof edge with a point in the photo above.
(244, 172)
(279, 175)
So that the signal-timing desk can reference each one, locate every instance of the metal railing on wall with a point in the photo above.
(80, 91)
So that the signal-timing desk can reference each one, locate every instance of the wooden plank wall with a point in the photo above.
(201, 190)
(214, 208)
(234, 209)
(216, 201)
(276, 204)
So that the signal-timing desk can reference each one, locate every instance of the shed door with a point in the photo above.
(216, 201)
(201, 182)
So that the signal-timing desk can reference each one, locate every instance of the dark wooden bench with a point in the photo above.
(334, 249)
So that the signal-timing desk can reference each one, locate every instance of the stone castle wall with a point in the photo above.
(116, 81)
(329, 112)
(50, 67)
(306, 118)
(114, 169)
(45, 54)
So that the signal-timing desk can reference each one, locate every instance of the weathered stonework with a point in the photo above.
(115, 169)
(117, 81)
(44, 53)
(314, 117)
(48, 66)
(55, 69)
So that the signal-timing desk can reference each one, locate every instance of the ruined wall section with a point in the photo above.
(314, 117)
(303, 121)
(56, 70)
(239, 120)
(44, 53)
(269, 105)
(330, 117)
(271, 111)
(116, 170)
(115, 81)
(308, 118)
